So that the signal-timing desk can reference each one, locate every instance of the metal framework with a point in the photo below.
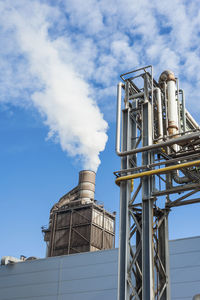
(79, 228)
(159, 143)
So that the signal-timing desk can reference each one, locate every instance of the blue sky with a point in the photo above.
(59, 66)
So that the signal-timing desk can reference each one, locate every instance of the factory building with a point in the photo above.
(93, 275)
(159, 151)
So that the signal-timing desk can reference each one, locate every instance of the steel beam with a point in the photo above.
(147, 208)
(177, 189)
(124, 226)
(163, 251)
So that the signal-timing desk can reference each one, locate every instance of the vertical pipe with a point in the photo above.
(166, 105)
(168, 79)
(152, 101)
(178, 105)
(160, 114)
(118, 117)
(179, 116)
(172, 108)
(183, 111)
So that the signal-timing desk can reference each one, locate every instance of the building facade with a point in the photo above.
(93, 275)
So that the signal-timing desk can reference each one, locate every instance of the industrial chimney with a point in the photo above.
(78, 223)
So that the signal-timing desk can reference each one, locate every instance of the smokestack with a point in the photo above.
(86, 185)
(77, 223)
(82, 193)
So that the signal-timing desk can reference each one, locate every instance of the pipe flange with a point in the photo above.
(172, 126)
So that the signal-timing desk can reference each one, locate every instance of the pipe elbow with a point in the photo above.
(179, 179)
(166, 75)
(120, 84)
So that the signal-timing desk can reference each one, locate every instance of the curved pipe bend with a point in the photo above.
(166, 76)
(178, 179)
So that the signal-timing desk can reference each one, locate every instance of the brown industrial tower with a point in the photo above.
(77, 223)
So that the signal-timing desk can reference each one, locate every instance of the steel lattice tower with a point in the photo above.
(156, 138)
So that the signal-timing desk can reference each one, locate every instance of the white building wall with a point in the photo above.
(93, 276)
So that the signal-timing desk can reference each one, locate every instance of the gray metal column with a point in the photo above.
(134, 140)
(124, 226)
(167, 260)
(163, 242)
(147, 207)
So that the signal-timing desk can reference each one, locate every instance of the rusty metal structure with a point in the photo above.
(77, 223)
(158, 142)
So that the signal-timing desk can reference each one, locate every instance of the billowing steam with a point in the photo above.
(64, 97)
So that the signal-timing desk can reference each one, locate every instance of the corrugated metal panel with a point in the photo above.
(185, 268)
(185, 245)
(93, 275)
(82, 276)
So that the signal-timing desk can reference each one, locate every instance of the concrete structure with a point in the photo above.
(93, 275)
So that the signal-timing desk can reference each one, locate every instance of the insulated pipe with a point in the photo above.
(170, 142)
(178, 105)
(168, 77)
(157, 171)
(172, 108)
(118, 117)
(159, 107)
(165, 103)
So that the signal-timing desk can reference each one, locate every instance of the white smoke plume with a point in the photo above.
(63, 97)
(51, 50)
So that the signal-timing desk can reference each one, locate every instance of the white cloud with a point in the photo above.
(85, 15)
(79, 48)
